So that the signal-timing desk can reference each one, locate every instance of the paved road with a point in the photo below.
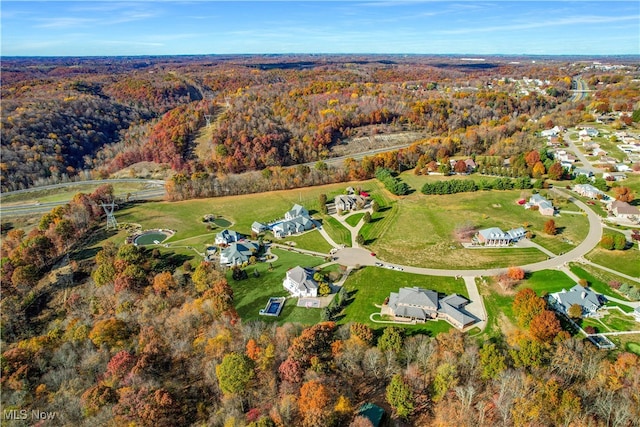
(580, 155)
(353, 256)
(33, 208)
(476, 306)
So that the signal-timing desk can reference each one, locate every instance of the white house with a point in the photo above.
(554, 131)
(258, 227)
(496, 237)
(226, 237)
(621, 167)
(590, 132)
(636, 314)
(588, 190)
(544, 206)
(295, 221)
(584, 297)
(624, 210)
(300, 283)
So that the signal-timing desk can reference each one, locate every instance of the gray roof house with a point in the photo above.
(300, 283)
(295, 221)
(227, 236)
(496, 237)
(296, 211)
(238, 253)
(423, 304)
(349, 202)
(258, 227)
(588, 190)
(585, 297)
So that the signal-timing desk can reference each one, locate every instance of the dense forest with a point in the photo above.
(92, 117)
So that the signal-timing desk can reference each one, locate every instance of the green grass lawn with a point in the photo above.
(626, 262)
(421, 231)
(620, 322)
(337, 231)
(371, 285)
(312, 241)
(251, 295)
(598, 279)
(354, 219)
(383, 218)
(548, 281)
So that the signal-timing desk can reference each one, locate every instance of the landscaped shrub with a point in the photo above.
(607, 242)
(394, 184)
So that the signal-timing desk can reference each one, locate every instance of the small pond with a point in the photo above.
(150, 238)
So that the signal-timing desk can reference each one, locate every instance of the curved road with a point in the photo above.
(353, 256)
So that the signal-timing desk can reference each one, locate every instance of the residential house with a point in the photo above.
(621, 167)
(471, 165)
(496, 237)
(237, 253)
(422, 304)
(582, 171)
(350, 202)
(588, 131)
(584, 297)
(563, 156)
(624, 210)
(554, 131)
(544, 206)
(300, 283)
(226, 237)
(295, 221)
(614, 176)
(588, 190)
(258, 227)
(295, 212)
(599, 152)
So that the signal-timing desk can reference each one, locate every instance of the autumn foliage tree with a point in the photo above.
(545, 326)
(526, 306)
(624, 194)
(550, 227)
(235, 373)
(400, 396)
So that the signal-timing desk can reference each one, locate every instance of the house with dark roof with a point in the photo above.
(295, 212)
(423, 304)
(544, 206)
(300, 283)
(226, 237)
(237, 253)
(584, 297)
(494, 236)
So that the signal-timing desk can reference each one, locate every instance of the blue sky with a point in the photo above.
(80, 28)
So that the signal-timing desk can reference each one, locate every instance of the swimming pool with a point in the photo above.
(274, 307)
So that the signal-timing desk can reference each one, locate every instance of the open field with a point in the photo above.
(311, 240)
(627, 262)
(613, 321)
(420, 231)
(251, 295)
(370, 286)
(186, 216)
